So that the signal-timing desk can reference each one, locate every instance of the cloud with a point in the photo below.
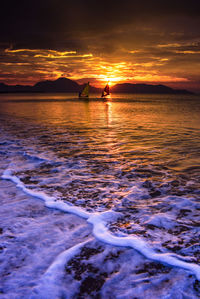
(67, 24)
(154, 41)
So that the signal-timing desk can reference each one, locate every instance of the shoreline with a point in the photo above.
(45, 251)
(32, 237)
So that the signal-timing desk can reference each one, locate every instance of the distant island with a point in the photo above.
(66, 85)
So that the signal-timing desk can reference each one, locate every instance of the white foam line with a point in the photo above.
(50, 201)
(100, 231)
(49, 283)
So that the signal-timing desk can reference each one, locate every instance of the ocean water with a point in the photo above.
(129, 167)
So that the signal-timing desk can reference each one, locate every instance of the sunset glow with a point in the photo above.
(36, 65)
(150, 50)
(99, 149)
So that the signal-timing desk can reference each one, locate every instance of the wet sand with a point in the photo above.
(34, 238)
(100, 160)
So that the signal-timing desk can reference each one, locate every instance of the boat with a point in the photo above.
(106, 91)
(85, 91)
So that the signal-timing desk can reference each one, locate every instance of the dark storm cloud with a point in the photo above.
(72, 24)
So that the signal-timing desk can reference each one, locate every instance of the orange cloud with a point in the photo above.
(28, 66)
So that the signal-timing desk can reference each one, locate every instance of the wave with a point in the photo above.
(100, 221)
(49, 283)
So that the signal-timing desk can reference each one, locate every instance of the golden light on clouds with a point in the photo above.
(32, 65)
(134, 42)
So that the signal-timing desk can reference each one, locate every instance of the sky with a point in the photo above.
(153, 42)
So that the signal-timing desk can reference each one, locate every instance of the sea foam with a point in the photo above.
(101, 232)
(49, 283)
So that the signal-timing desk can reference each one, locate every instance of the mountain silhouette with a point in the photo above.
(60, 85)
(66, 85)
(146, 88)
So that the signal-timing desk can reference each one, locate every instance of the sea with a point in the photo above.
(100, 198)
